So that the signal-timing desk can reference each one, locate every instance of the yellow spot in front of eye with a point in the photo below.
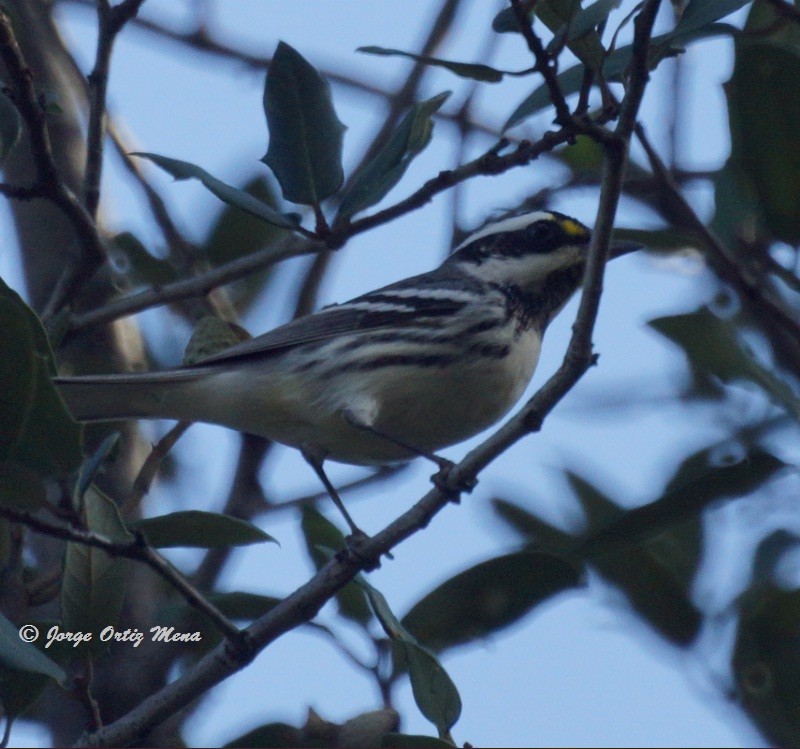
(573, 229)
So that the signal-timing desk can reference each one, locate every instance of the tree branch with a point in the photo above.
(544, 64)
(111, 19)
(49, 183)
(137, 550)
(191, 287)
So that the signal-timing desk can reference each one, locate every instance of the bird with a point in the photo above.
(398, 372)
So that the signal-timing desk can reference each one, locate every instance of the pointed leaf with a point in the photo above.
(94, 582)
(21, 488)
(139, 265)
(90, 466)
(413, 741)
(21, 655)
(713, 346)
(767, 149)
(434, 691)
(488, 597)
(182, 170)
(702, 480)
(766, 662)
(319, 533)
(35, 428)
(272, 735)
(614, 66)
(546, 536)
(700, 13)
(591, 17)
(235, 234)
(388, 166)
(198, 529)
(10, 126)
(305, 135)
(473, 70)
(557, 15)
(656, 575)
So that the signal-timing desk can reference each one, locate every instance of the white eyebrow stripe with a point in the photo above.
(376, 306)
(514, 223)
(428, 292)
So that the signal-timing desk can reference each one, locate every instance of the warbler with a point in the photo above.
(404, 370)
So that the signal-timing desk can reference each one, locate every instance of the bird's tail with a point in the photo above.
(125, 396)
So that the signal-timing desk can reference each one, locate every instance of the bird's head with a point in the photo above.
(526, 250)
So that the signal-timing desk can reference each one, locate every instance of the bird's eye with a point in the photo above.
(541, 231)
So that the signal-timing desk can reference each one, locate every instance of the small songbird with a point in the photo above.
(400, 371)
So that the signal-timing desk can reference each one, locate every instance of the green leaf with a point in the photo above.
(766, 662)
(18, 654)
(10, 126)
(584, 22)
(667, 240)
(89, 468)
(614, 66)
(94, 582)
(235, 234)
(590, 18)
(530, 527)
(713, 346)
(702, 13)
(737, 212)
(199, 529)
(305, 135)
(413, 741)
(434, 691)
(35, 428)
(388, 166)
(557, 15)
(767, 149)
(272, 735)
(701, 480)
(182, 170)
(21, 488)
(38, 663)
(319, 533)
(473, 70)
(488, 597)
(17, 373)
(143, 268)
(656, 575)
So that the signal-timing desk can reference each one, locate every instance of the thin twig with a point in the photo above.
(137, 550)
(770, 310)
(192, 287)
(201, 41)
(490, 163)
(49, 183)
(544, 64)
(111, 19)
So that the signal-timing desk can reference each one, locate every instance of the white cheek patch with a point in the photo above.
(524, 269)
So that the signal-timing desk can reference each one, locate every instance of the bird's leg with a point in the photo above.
(315, 460)
(440, 478)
